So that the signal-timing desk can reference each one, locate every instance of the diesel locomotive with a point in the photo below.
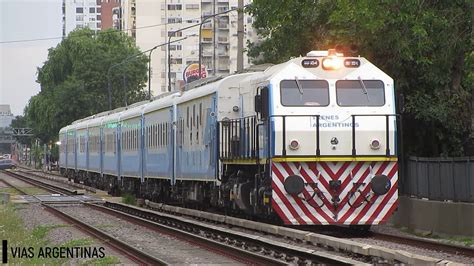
(311, 141)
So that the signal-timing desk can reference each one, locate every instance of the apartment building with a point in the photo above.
(153, 22)
(94, 14)
(6, 116)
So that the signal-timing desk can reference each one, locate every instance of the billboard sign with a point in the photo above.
(191, 72)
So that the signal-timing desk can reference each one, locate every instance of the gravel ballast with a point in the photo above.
(157, 244)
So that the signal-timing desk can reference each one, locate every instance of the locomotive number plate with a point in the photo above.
(310, 63)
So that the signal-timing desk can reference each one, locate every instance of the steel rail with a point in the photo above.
(62, 180)
(123, 248)
(270, 252)
(234, 253)
(43, 185)
(22, 192)
(426, 243)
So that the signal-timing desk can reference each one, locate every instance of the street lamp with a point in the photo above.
(126, 60)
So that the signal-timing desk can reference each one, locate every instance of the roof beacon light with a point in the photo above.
(332, 63)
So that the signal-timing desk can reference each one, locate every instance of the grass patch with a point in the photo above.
(467, 241)
(34, 191)
(10, 191)
(104, 226)
(129, 199)
(12, 229)
(42, 231)
(78, 243)
(107, 260)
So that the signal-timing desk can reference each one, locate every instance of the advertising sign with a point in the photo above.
(191, 73)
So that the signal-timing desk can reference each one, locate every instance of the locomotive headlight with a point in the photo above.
(294, 144)
(332, 63)
(375, 144)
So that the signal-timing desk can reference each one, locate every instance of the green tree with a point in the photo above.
(426, 46)
(74, 80)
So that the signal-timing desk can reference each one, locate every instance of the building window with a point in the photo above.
(176, 60)
(99, 10)
(175, 7)
(79, 10)
(79, 17)
(175, 20)
(192, 6)
(175, 47)
(91, 9)
(99, 17)
(175, 34)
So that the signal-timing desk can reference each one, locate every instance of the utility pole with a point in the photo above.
(240, 35)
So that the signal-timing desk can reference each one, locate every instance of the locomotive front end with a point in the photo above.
(330, 130)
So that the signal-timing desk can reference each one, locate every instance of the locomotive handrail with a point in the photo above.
(238, 138)
(387, 131)
(354, 151)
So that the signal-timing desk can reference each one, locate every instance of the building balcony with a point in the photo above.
(223, 40)
(223, 26)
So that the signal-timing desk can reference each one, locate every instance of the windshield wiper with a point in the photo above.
(300, 88)
(364, 89)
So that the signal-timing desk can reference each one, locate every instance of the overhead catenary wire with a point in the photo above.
(97, 33)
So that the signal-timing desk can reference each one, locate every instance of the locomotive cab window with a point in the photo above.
(304, 92)
(360, 93)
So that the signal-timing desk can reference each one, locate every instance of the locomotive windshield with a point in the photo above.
(304, 92)
(360, 93)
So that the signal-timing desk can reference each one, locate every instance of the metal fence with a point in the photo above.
(439, 178)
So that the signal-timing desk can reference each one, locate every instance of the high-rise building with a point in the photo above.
(93, 14)
(6, 116)
(152, 22)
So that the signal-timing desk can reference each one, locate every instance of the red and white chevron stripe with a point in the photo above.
(357, 204)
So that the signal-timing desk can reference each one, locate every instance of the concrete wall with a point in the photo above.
(435, 216)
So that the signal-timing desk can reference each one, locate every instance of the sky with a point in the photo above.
(25, 20)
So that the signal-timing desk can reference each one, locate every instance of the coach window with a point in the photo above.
(304, 92)
(187, 117)
(200, 114)
(360, 93)
(194, 115)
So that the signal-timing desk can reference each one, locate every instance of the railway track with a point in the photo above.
(43, 185)
(344, 233)
(241, 248)
(425, 243)
(123, 248)
(262, 250)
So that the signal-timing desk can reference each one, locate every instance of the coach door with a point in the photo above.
(173, 147)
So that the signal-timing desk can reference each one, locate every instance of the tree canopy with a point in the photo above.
(426, 46)
(74, 79)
